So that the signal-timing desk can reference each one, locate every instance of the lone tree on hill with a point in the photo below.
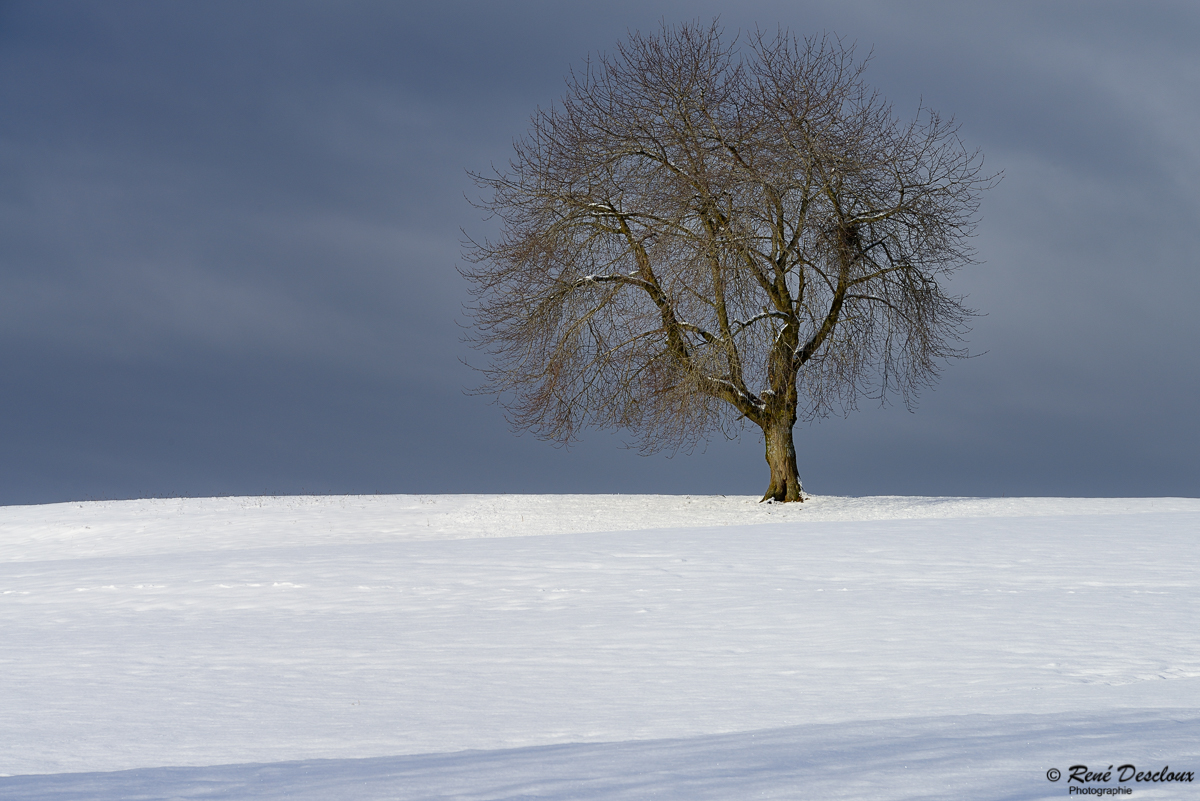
(700, 235)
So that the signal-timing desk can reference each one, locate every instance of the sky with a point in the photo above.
(229, 234)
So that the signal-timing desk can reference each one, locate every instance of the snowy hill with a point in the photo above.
(596, 647)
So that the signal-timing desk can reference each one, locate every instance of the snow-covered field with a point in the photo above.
(598, 647)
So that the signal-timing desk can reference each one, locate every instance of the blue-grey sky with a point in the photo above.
(229, 232)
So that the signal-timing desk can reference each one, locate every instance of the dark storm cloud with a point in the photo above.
(228, 234)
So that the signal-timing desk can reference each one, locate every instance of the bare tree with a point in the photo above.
(701, 235)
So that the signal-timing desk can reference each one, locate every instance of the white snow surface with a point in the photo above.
(596, 646)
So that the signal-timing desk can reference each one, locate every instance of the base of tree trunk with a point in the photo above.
(785, 484)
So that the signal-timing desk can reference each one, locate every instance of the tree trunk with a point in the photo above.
(781, 456)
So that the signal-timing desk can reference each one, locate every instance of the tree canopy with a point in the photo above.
(703, 233)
